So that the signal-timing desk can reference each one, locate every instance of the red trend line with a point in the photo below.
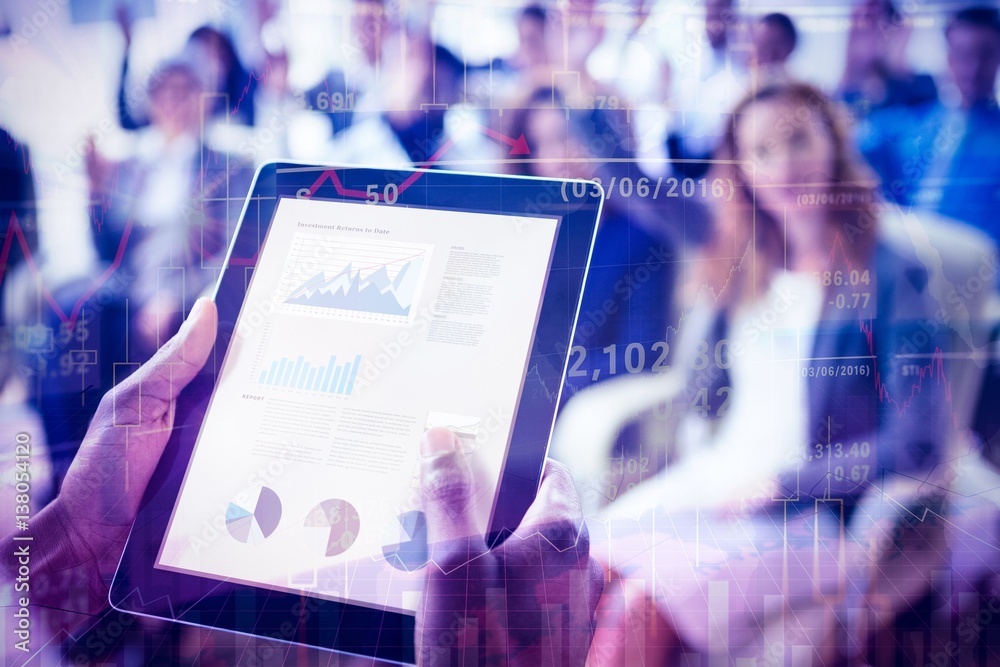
(14, 230)
(246, 89)
(19, 148)
(519, 146)
(933, 369)
(439, 153)
(243, 261)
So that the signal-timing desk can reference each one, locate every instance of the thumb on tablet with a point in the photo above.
(446, 483)
(129, 432)
(181, 358)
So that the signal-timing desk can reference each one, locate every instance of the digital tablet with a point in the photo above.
(358, 308)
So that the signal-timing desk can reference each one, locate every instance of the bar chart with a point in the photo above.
(297, 373)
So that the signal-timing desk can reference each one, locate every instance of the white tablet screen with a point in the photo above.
(362, 326)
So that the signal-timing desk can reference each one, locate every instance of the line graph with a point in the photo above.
(933, 370)
(355, 280)
(518, 147)
(14, 231)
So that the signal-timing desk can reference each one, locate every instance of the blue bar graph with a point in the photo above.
(297, 373)
(328, 374)
(343, 379)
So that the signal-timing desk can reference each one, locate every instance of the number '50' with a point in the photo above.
(389, 194)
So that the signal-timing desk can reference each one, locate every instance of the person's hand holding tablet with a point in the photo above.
(291, 507)
(74, 544)
(529, 601)
(506, 599)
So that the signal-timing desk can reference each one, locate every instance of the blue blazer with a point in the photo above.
(877, 386)
(903, 145)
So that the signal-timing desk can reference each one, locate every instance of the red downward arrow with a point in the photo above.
(518, 146)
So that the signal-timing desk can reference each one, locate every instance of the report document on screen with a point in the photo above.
(362, 327)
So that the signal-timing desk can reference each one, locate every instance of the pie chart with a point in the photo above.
(332, 526)
(253, 515)
(410, 553)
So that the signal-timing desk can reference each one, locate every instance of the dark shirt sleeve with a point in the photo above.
(126, 118)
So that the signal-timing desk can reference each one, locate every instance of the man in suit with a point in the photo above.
(941, 156)
(171, 205)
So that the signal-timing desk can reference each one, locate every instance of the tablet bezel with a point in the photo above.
(141, 588)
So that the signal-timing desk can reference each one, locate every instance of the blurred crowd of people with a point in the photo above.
(753, 178)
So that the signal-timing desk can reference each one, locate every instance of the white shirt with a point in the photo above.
(763, 431)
